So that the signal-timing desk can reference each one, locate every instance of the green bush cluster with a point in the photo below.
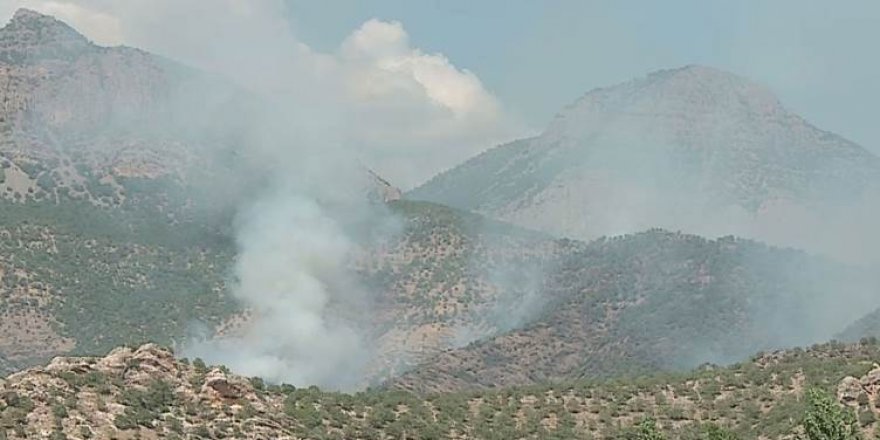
(144, 407)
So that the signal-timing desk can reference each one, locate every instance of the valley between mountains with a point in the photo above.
(679, 247)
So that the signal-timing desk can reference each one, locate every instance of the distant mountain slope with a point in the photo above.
(114, 229)
(694, 148)
(450, 278)
(85, 122)
(116, 218)
(76, 278)
(119, 175)
(147, 393)
(109, 232)
(866, 327)
(659, 301)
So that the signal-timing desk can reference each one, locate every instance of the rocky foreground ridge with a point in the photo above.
(147, 393)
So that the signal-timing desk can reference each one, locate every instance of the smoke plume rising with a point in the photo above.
(290, 254)
(380, 101)
(314, 123)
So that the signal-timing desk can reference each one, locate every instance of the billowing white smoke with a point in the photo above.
(291, 253)
(406, 113)
(377, 100)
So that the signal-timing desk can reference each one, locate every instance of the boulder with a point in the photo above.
(218, 384)
(848, 390)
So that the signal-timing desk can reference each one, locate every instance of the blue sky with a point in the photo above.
(820, 57)
(387, 74)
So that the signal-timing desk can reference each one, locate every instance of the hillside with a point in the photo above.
(97, 174)
(438, 283)
(693, 149)
(865, 327)
(88, 123)
(117, 226)
(103, 234)
(450, 278)
(147, 393)
(446, 280)
(117, 203)
(116, 197)
(658, 301)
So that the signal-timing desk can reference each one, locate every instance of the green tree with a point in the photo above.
(826, 419)
(647, 430)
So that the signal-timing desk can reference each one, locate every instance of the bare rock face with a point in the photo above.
(219, 384)
(145, 382)
(116, 360)
(871, 381)
(849, 389)
(153, 359)
(137, 365)
(861, 393)
(75, 365)
(32, 37)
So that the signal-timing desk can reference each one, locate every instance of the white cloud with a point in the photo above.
(378, 57)
(416, 110)
(407, 113)
(376, 99)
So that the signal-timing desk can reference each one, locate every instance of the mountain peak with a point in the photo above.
(705, 79)
(31, 36)
(698, 69)
(645, 152)
(25, 15)
(693, 89)
(693, 98)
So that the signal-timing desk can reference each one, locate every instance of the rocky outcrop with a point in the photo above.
(139, 389)
(860, 391)
(31, 37)
(222, 386)
(143, 392)
(849, 390)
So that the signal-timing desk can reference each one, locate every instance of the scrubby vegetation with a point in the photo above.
(654, 301)
(104, 277)
(772, 396)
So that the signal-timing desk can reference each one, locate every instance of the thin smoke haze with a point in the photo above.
(317, 120)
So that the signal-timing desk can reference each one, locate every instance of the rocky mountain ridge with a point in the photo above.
(30, 37)
(694, 149)
(477, 302)
(146, 393)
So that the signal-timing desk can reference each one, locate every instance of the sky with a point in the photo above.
(412, 87)
(820, 57)
(420, 86)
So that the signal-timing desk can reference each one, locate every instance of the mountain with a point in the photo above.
(108, 233)
(866, 327)
(446, 278)
(694, 149)
(118, 227)
(146, 392)
(658, 301)
(116, 220)
(77, 116)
